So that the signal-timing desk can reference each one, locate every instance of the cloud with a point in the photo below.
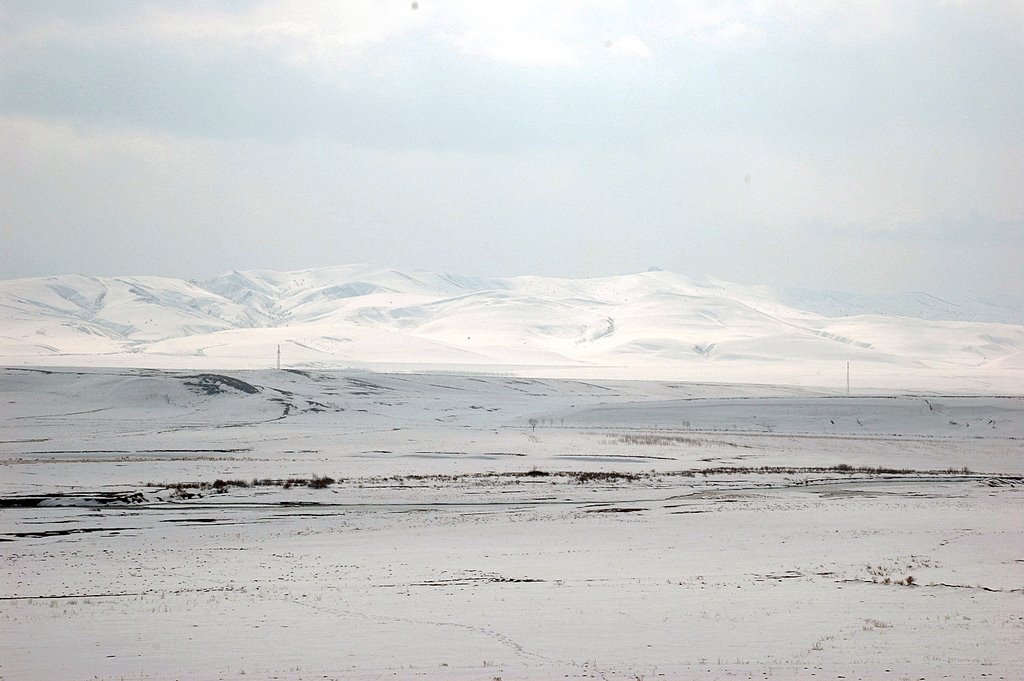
(734, 32)
(839, 20)
(966, 231)
(629, 46)
(523, 49)
(364, 130)
(311, 32)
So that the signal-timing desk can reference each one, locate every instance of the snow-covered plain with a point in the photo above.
(484, 526)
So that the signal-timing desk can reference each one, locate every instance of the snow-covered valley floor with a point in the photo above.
(177, 525)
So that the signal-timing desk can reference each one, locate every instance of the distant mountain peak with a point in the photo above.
(359, 313)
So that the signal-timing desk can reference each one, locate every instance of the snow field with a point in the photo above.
(485, 527)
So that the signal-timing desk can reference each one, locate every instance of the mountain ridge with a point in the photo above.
(349, 314)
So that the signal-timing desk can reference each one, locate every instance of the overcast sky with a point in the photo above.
(875, 145)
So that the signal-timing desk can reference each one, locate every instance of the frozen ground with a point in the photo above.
(483, 527)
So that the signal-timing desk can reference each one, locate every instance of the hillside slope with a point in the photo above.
(634, 324)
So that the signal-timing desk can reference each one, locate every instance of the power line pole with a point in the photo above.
(847, 377)
(279, 363)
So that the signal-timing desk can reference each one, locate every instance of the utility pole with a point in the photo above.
(279, 365)
(847, 375)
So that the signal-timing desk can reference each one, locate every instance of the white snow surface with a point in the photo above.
(648, 325)
(483, 526)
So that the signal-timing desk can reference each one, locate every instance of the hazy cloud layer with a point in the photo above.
(867, 146)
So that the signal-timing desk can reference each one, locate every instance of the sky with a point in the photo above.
(873, 146)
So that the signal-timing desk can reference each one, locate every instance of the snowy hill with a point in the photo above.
(654, 323)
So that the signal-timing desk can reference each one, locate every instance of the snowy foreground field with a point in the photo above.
(315, 524)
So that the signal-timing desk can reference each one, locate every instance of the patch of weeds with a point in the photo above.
(671, 440)
(223, 485)
(315, 482)
(220, 485)
(872, 624)
(320, 482)
(872, 470)
(604, 476)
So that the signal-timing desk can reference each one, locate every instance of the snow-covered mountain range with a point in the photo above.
(653, 322)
